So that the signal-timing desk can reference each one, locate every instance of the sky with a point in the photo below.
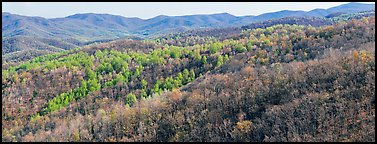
(147, 10)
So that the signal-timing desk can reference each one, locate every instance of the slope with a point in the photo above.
(229, 90)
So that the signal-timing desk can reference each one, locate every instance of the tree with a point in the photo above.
(156, 60)
(130, 99)
(197, 56)
(220, 60)
(168, 83)
(89, 73)
(186, 76)
(119, 79)
(144, 84)
(127, 75)
(226, 57)
(138, 70)
(204, 60)
(212, 49)
(179, 76)
(156, 88)
(249, 45)
(175, 52)
(83, 88)
(143, 94)
(192, 74)
(93, 85)
(240, 48)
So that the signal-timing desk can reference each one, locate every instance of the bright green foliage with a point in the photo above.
(101, 68)
(240, 48)
(108, 68)
(99, 54)
(197, 56)
(138, 70)
(143, 94)
(119, 79)
(142, 59)
(156, 60)
(269, 30)
(180, 76)
(166, 53)
(109, 83)
(169, 83)
(89, 73)
(213, 48)
(127, 74)
(175, 52)
(93, 85)
(156, 88)
(220, 60)
(64, 99)
(177, 83)
(204, 60)
(186, 77)
(82, 90)
(116, 63)
(249, 45)
(4, 74)
(144, 84)
(192, 75)
(113, 66)
(226, 58)
(130, 99)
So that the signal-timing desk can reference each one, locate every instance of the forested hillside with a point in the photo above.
(281, 82)
(25, 37)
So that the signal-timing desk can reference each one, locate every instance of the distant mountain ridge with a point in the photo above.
(79, 29)
(91, 26)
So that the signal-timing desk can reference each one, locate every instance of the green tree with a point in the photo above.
(220, 60)
(213, 48)
(83, 88)
(93, 85)
(175, 52)
(204, 60)
(168, 83)
(156, 88)
(197, 56)
(109, 68)
(144, 84)
(226, 58)
(143, 94)
(130, 99)
(240, 48)
(138, 70)
(186, 76)
(156, 60)
(180, 76)
(192, 74)
(249, 45)
(119, 79)
(127, 75)
(89, 73)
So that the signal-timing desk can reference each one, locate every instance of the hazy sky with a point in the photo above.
(146, 10)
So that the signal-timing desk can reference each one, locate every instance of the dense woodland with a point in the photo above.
(282, 82)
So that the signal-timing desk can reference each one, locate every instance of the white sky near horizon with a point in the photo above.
(147, 10)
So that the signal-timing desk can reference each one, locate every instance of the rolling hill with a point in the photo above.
(278, 82)
(90, 25)
(25, 33)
